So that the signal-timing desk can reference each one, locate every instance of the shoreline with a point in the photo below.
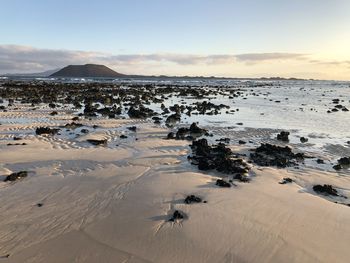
(87, 203)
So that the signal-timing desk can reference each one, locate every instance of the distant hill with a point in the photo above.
(87, 70)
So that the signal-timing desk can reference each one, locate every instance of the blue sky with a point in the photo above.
(318, 29)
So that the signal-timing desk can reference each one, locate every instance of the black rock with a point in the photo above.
(15, 176)
(273, 155)
(123, 136)
(132, 128)
(217, 157)
(222, 183)
(173, 118)
(73, 125)
(344, 161)
(177, 215)
(325, 189)
(140, 113)
(46, 130)
(195, 129)
(286, 180)
(320, 161)
(283, 136)
(224, 140)
(97, 142)
(303, 139)
(192, 199)
(171, 135)
(337, 167)
(241, 142)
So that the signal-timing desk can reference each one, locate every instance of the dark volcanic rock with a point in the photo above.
(181, 133)
(132, 128)
(46, 130)
(344, 161)
(173, 118)
(192, 199)
(218, 157)
(286, 180)
(97, 142)
(283, 136)
(15, 176)
(272, 155)
(195, 129)
(224, 140)
(325, 189)
(73, 125)
(171, 135)
(222, 183)
(303, 139)
(177, 215)
(337, 167)
(140, 113)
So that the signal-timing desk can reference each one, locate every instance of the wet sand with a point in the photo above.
(112, 203)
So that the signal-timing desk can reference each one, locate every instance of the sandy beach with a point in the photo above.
(87, 203)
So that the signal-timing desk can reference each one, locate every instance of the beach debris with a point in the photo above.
(192, 199)
(16, 176)
(325, 189)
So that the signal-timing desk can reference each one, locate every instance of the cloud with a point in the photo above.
(332, 62)
(256, 57)
(21, 59)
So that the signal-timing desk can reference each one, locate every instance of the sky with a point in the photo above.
(230, 38)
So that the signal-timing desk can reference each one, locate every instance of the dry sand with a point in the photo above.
(103, 204)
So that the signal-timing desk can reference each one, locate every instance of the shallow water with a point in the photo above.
(264, 108)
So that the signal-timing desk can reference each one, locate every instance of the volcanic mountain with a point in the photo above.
(87, 70)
